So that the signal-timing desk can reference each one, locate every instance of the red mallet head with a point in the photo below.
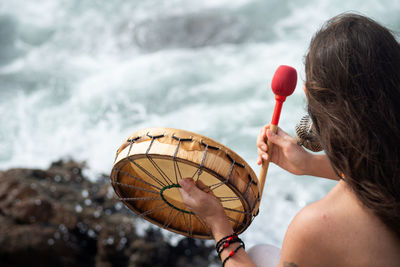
(283, 84)
(284, 81)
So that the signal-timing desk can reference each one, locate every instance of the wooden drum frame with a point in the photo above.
(150, 163)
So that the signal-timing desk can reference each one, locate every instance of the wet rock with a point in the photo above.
(57, 217)
(31, 210)
(6, 186)
(62, 216)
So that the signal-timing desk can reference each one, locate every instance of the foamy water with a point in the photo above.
(78, 77)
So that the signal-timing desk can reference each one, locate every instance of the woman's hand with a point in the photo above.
(285, 152)
(205, 205)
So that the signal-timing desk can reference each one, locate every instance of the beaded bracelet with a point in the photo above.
(227, 243)
(231, 254)
(234, 235)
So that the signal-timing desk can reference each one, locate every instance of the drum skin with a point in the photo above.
(150, 163)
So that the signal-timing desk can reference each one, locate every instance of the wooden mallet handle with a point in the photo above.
(283, 84)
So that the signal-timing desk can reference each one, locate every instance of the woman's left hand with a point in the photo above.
(204, 204)
(207, 207)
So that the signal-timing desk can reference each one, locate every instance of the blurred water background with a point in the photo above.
(77, 77)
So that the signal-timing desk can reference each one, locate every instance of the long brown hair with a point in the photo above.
(353, 90)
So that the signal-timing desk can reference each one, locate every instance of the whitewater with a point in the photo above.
(78, 77)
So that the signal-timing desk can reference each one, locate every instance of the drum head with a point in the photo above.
(152, 161)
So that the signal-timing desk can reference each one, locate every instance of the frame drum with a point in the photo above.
(150, 163)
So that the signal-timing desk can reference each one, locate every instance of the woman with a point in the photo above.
(353, 94)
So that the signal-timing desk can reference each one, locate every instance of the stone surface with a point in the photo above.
(57, 217)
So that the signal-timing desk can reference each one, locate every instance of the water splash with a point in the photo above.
(78, 77)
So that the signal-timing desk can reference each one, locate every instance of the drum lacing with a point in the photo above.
(176, 166)
(170, 204)
(233, 163)
(206, 147)
(131, 141)
(168, 184)
(155, 165)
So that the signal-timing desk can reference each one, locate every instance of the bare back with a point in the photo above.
(339, 231)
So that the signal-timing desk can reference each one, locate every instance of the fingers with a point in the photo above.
(194, 189)
(285, 136)
(259, 160)
(262, 155)
(188, 191)
(188, 186)
(204, 187)
(192, 192)
(261, 138)
(280, 138)
(203, 204)
(201, 185)
(262, 146)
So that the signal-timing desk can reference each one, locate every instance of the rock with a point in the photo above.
(57, 217)
(6, 186)
(31, 210)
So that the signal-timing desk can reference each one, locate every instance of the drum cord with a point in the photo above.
(166, 183)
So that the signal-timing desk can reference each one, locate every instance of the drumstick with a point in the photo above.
(283, 85)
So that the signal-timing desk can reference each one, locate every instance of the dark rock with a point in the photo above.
(31, 210)
(57, 217)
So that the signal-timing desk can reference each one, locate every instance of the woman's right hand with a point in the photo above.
(285, 151)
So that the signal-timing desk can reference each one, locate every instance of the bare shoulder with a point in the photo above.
(338, 231)
(307, 237)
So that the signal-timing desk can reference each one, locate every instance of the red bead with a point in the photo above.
(231, 253)
(230, 238)
(226, 245)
